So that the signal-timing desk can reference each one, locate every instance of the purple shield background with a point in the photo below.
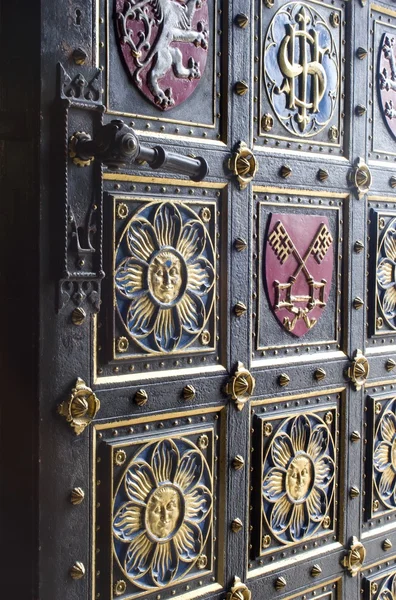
(181, 88)
(302, 230)
(386, 95)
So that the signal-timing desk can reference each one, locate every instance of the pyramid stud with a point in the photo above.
(355, 436)
(285, 171)
(390, 364)
(77, 571)
(358, 246)
(283, 379)
(361, 53)
(323, 174)
(241, 88)
(189, 392)
(392, 182)
(387, 545)
(280, 583)
(242, 20)
(240, 245)
(236, 525)
(78, 316)
(240, 309)
(320, 374)
(77, 496)
(316, 571)
(354, 492)
(358, 303)
(360, 110)
(141, 397)
(238, 462)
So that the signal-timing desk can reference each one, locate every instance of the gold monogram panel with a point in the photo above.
(158, 531)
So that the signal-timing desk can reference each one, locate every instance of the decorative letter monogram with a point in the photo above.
(301, 72)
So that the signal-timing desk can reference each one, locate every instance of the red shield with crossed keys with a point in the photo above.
(164, 44)
(299, 259)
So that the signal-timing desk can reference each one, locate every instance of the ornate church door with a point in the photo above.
(218, 418)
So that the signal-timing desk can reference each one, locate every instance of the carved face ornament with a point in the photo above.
(161, 513)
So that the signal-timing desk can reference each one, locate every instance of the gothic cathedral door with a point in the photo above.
(218, 417)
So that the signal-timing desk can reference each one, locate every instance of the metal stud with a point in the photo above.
(358, 247)
(189, 392)
(387, 545)
(280, 583)
(240, 309)
(77, 571)
(236, 525)
(360, 110)
(285, 171)
(316, 571)
(283, 379)
(242, 20)
(141, 397)
(120, 587)
(320, 374)
(390, 364)
(240, 244)
(358, 303)
(361, 53)
(392, 182)
(267, 122)
(323, 174)
(238, 462)
(355, 436)
(241, 88)
(354, 492)
(77, 496)
(79, 56)
(78, 316)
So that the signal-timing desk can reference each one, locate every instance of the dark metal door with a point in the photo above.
(221, 357)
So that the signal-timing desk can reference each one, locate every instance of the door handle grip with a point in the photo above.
(117, 145)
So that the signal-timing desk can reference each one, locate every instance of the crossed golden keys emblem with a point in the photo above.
(299, 305)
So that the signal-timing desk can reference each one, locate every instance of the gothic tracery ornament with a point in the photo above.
(386, 274)
(384, 459)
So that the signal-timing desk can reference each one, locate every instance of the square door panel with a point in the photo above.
(160, 301)
(163, 70)
(380, 463)
(298, 273)
(382, 278)
(382, 101)
(157, 502)
(299, 75)
(295, 476)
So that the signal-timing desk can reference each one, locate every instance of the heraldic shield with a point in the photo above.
(164, 44)
(299, 260)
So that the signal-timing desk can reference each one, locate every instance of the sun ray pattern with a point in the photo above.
(162, 513)
(164, 277)
(384, 459)
(298, 478)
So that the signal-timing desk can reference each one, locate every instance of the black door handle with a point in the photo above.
(117, 145)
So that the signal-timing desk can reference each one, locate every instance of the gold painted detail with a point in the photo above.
(240, 309)
(376, 505)
(377, 408)
(77, 496)
(243, 164)
(205, 338)
(73, 141)
(298, 478)
(355, 436)
(384, 457)
(242, 20)
(320, 374)
(141, 397)
(387, 545)
(359, 370)
(333, 133)
(335, 19)
(316, 571)
(241, 88)
(238, 462)
(374, 587)
(358, 303)
(240, 245)
(360, 177)
(239, 591)
(241, 386)
(283, 379)
(120, 587)
(162, 513)
(354, 560)
(77, 571)
(119, 457)
(267, 122)
(323, 174)
(361, 53)
(189, 392)
(266, 542)
(285, 171)
(390, 364)
(236, 525)
(354, 492)
(122, 210)
(392, 182)
(81, 407)
(267, 429)
(269, 3)
(280, 583)
(358, 247)
(78, 316)
(203, 442)
(122, 344)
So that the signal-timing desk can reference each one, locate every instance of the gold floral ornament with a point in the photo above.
(239, 591)
(355, 558)
(386, 274)
(243, 165)
(384, 459)
(298, 478)
(81, 407)
(241, 386)
(162, 513)
(388, 589)
(164, 277)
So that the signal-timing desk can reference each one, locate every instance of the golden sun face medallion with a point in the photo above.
(164, 509)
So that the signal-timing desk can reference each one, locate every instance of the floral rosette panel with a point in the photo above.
(298, 479)
(386, 273)
(384, 457)
(165, 277)
(162, 514)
